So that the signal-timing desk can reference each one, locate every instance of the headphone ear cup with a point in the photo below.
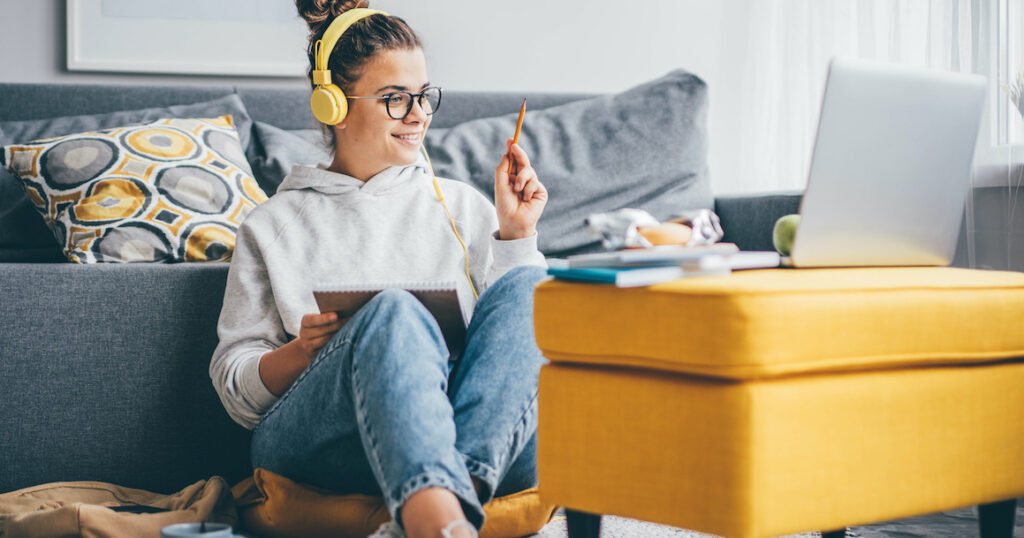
(329, 104)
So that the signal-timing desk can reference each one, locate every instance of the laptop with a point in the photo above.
(891, 166)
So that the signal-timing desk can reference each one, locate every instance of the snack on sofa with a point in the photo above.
(105, 365)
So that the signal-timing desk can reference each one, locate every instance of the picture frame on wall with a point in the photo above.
(197, 37)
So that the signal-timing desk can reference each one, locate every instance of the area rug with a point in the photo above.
(950, 524)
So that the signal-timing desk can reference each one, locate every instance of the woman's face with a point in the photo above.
(369, 140)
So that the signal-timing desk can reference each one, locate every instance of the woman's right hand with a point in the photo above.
(315, 330)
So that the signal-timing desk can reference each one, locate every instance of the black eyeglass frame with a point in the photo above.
(418, 96)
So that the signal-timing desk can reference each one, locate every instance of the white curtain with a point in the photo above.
(789, 45)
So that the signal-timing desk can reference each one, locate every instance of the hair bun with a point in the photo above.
(318, 14)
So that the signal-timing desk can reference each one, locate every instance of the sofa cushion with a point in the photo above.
(167, 191)
(106, 376)
(21, 229)
(273, 505)
(755, 324)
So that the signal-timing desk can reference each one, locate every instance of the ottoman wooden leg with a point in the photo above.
(582, 524)
(841, 533)
(996, 519)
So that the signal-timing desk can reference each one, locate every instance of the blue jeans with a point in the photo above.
(382, 410)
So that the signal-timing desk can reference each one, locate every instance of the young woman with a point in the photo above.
(376, 403)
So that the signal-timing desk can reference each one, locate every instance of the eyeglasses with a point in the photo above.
(399, 104)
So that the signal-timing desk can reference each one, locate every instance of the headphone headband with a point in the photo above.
(325, 45)
(328, 101)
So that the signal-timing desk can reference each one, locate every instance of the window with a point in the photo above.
(1009, 71)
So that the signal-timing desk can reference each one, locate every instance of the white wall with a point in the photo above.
(33, 48)
(559, 45)
(594, 45)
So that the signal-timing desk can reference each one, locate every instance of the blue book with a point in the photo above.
(628, 277)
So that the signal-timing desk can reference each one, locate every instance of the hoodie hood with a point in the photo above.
(319, 179)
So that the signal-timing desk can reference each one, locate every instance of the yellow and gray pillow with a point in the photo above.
(167, 191)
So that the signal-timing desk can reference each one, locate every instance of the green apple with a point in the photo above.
(784, 233)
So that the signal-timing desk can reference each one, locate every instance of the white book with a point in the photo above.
(666, 255)
(746, 259)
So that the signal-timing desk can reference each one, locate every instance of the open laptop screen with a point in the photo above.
(891, 166)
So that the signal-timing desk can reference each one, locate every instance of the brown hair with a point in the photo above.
(362, 41)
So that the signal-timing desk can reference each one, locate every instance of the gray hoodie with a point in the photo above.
(324, 227)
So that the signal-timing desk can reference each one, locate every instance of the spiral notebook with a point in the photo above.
(440, 298)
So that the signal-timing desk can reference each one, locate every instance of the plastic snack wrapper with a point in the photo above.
(707, 228)
(618, 229)
(622, 228)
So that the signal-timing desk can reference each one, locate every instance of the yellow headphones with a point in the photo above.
(330, 105)
(328, 101)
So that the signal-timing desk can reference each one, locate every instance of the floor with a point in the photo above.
(962, 523)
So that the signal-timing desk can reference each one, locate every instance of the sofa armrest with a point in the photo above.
(748, 219)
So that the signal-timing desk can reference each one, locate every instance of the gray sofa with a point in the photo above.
(103, 368)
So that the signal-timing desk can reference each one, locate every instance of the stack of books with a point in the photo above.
(643, 267)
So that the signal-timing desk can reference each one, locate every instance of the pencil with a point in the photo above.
(515, 139)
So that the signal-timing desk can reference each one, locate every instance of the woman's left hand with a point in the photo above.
(520, 198)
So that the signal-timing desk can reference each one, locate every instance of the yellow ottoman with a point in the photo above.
(772, 402)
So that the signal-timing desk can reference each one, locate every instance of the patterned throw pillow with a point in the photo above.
(168, 191)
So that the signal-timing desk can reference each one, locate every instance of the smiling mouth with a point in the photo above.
(409, 138)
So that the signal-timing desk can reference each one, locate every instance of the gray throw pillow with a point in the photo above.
(275, 150)
(21, 226)
(645, 148)
(23, 233)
